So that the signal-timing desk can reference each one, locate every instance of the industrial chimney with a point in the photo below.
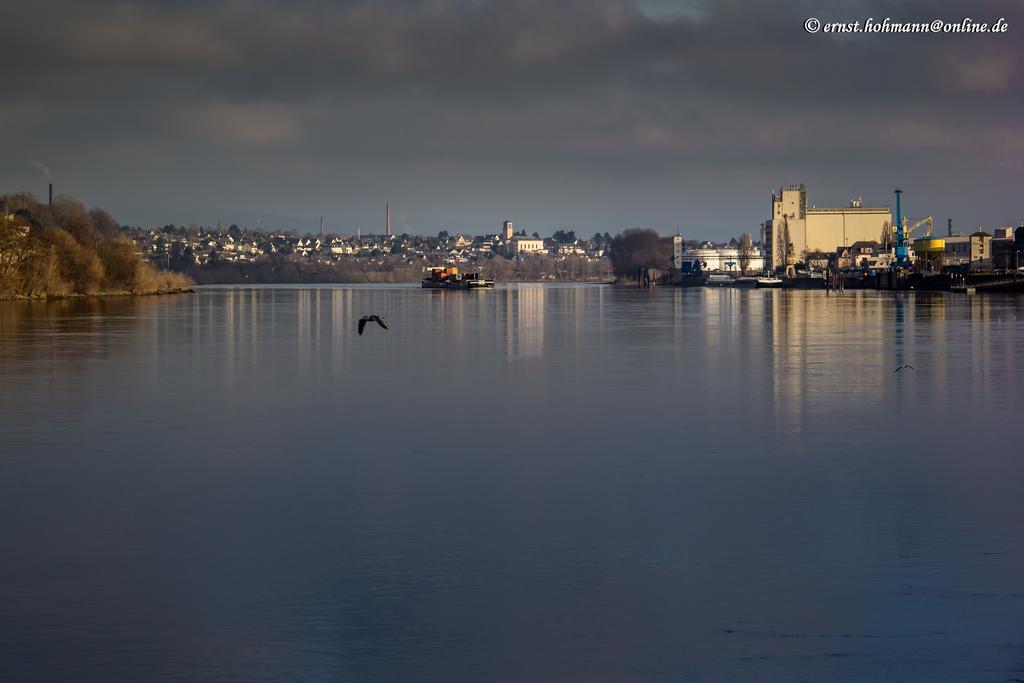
(949, 227)
(387, 207)
(51, 195)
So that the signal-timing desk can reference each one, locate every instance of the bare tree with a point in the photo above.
(635, 247)
(783, 245)
(120, 263)
(745, 252)
(500, 268)
(79, 264)
(103, 223)
(16, 248)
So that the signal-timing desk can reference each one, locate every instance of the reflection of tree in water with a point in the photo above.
(70, 328)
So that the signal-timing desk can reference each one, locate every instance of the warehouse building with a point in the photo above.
(818, 230)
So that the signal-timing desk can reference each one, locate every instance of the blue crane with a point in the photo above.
(902, 239)
(904, 232)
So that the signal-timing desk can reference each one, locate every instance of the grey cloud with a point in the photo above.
(578, 93)
(985, 72)
(126, 32)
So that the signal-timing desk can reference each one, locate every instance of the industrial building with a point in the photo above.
(978, 251)
(722, 258)
(678, 247)
(974, 251)
(1007, 248)
(818, 230)
(710, 258)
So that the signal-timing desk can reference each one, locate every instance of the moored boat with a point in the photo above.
(769, 281)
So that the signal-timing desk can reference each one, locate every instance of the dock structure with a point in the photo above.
(1008, 282)
(834, 280)
(649, 276)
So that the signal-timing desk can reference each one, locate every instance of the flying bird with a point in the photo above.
(370, 318)
(904, 366)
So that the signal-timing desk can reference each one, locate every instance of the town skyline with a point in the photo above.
(276, 223)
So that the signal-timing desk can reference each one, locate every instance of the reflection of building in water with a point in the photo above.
(254, 317)
(524, 308)
(730, 321)
(341, 322)
(227, 325)
(829, 350)
(983, 343)
(579, 307)
(303, 304)
(813, 339)
(230, 322)
(327, 322)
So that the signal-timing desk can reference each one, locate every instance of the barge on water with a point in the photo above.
(440, 277)
(745, 281)
(719, 280)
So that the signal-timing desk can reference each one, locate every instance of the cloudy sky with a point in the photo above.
(584, 114)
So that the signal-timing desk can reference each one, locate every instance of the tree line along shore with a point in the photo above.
(62, 249)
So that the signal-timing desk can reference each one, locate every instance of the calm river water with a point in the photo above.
(535, 483)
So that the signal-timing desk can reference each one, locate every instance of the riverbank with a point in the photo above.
(95, 295)
(373, 278)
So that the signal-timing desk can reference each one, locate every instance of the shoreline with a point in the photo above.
(97, 295)
(406, 283)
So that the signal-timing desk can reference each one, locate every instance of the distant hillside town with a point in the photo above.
(235, 254)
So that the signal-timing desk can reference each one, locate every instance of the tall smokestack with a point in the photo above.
(321, 229)
(387, 207)
(51, 194)
(949, 227)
